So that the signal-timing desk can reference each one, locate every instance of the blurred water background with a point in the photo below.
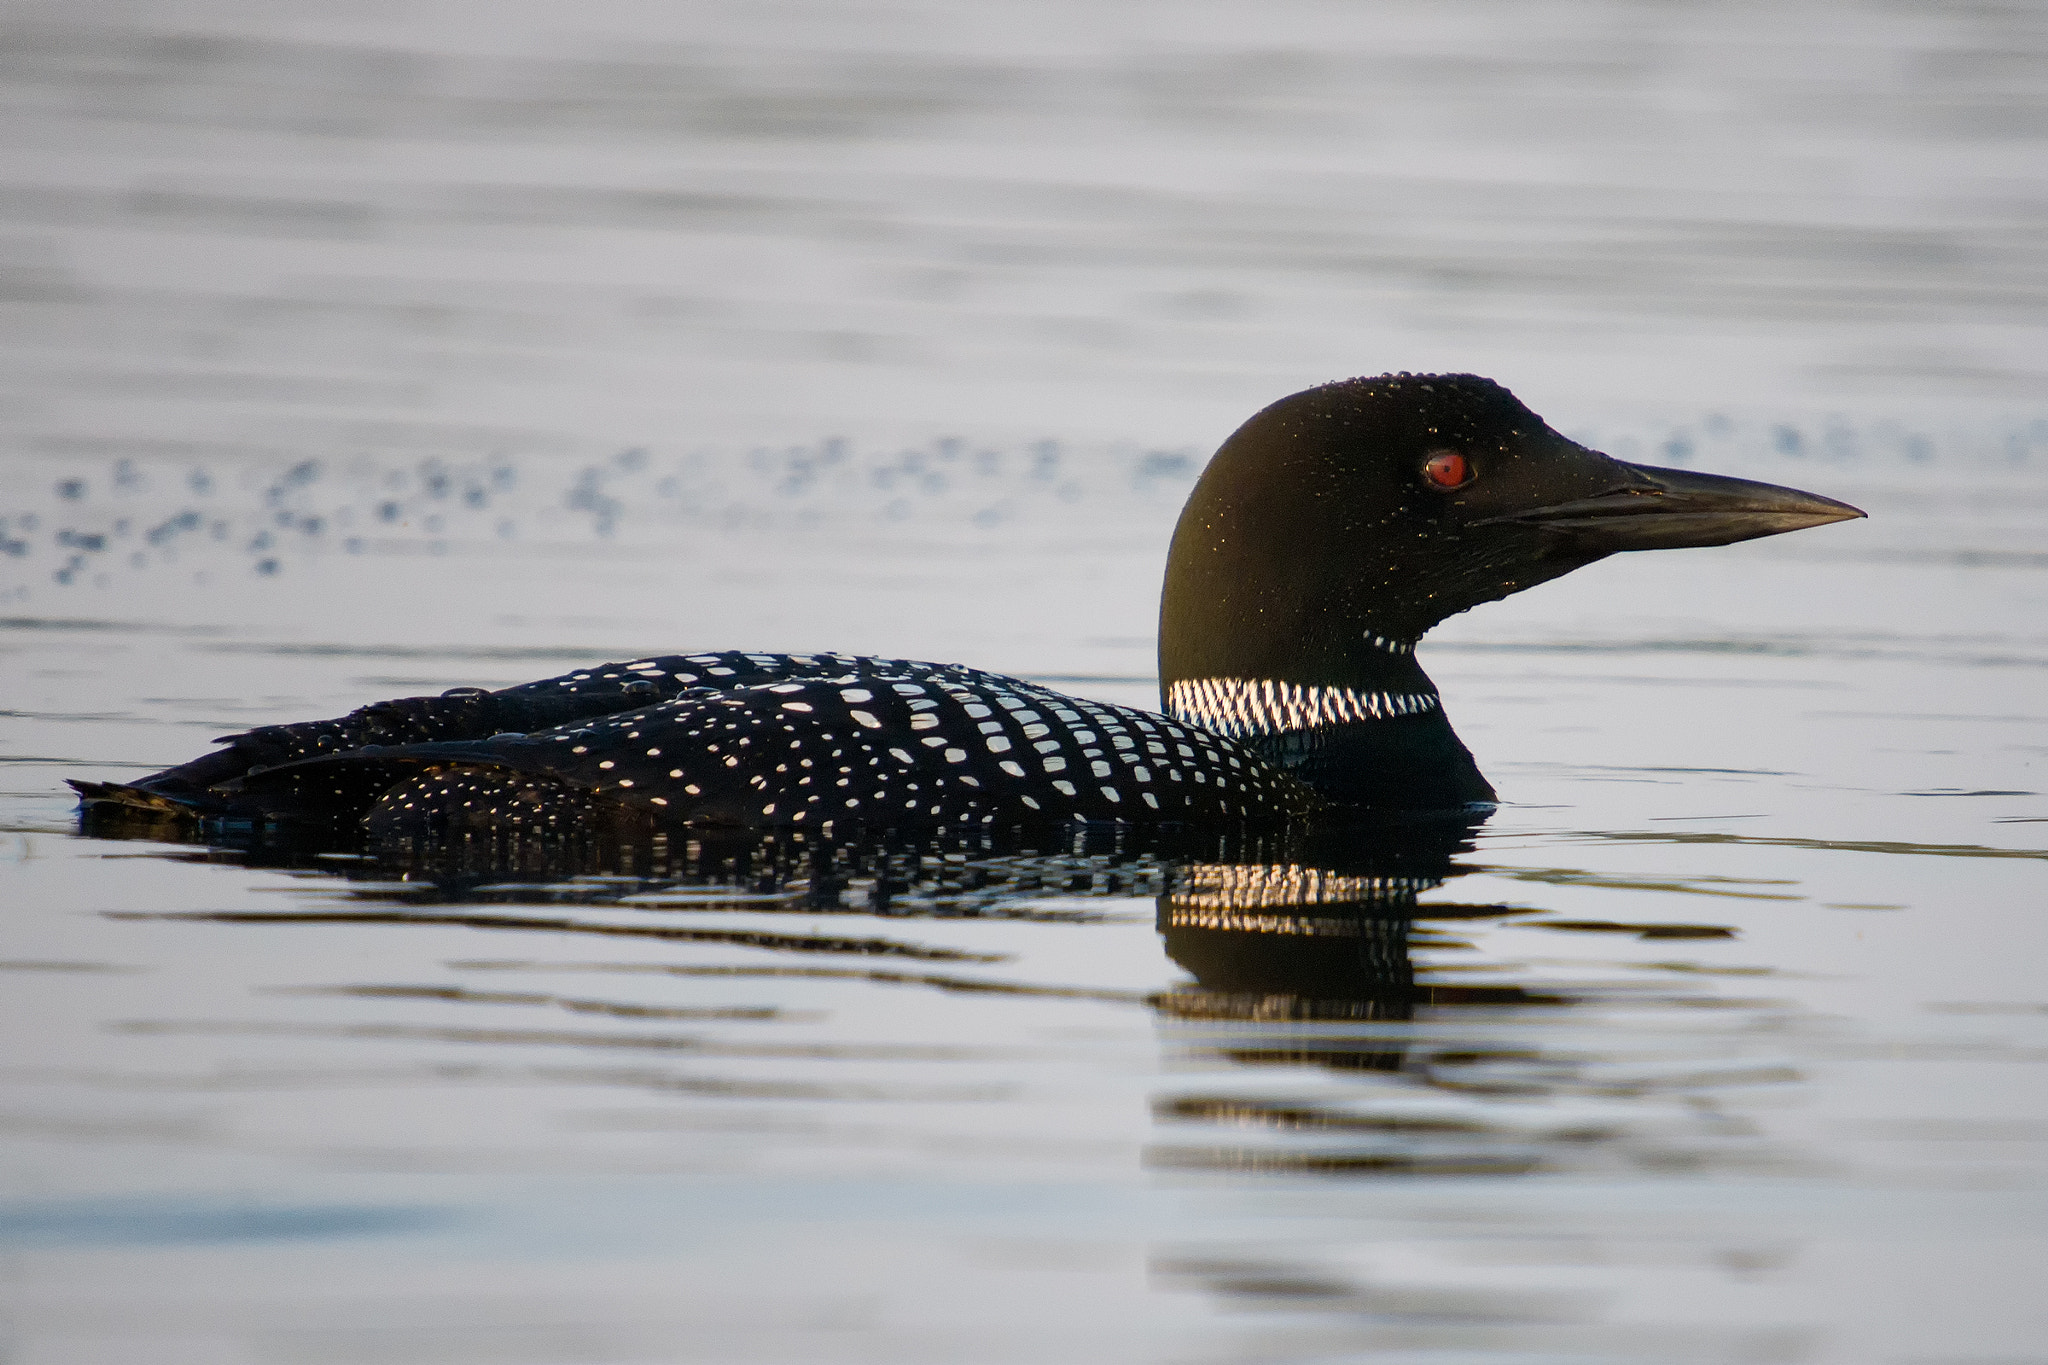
(369, 349)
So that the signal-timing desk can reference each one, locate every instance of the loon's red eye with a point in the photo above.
(1447, 469)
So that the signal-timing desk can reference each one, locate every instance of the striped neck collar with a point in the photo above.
(1245, 707)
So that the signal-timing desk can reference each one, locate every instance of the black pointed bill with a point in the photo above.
(1670, 509)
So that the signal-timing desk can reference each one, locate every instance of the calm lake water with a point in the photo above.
(369, 351)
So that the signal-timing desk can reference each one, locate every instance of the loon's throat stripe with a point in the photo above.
(1263, 706)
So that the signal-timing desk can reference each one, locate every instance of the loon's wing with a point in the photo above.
(921, 751)
(201, 787)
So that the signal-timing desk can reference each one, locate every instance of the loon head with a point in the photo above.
(1338, 525)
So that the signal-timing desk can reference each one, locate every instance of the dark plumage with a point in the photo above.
(1327, 535)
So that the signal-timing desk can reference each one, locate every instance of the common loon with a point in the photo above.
(1327, 535)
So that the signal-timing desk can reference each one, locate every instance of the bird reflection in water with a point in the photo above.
(1298, 945)
(1320, 933)
(1290, 924)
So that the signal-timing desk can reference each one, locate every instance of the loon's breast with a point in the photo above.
(764, 740)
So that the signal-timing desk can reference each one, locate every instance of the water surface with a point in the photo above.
(356, 354)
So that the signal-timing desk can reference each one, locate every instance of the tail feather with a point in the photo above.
(130, 797)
